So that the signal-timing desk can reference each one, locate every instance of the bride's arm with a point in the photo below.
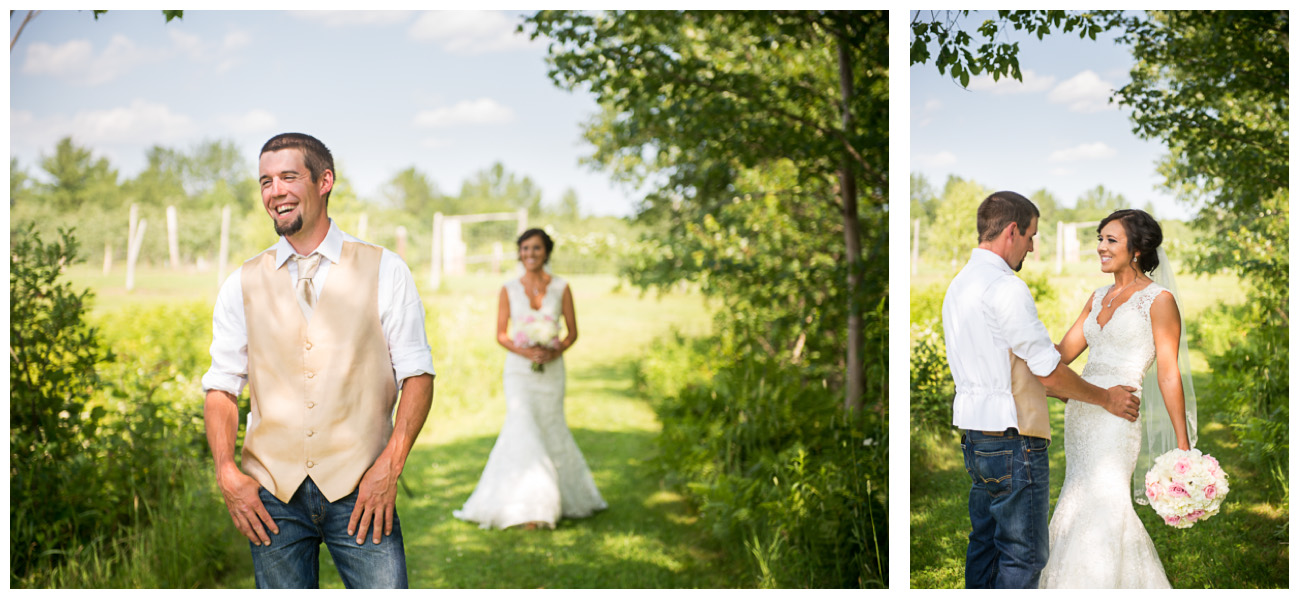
(1073, 343)
(503, 326)
(1166, 328)
(570, 320)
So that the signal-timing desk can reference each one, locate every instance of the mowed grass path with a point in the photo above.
(648, 536)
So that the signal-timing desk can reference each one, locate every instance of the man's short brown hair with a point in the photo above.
(1000, 209)
(314, 154)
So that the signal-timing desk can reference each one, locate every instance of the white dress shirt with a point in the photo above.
(401, 315)
(988, 310)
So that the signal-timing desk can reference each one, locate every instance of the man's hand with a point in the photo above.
(1121, 402)
(245, 506)
(376, 501)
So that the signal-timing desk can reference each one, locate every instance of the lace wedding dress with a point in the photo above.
(1096, 539)
(535, 472)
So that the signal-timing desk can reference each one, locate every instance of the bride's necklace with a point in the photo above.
(1121, 291)
(534, 291)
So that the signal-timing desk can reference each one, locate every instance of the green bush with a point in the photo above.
(52, 360)
(105, 447)
(779, 471)
(931, 380)
(1252, 379)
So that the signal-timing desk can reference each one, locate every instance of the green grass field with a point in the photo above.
(647, 538)
(1244, 546)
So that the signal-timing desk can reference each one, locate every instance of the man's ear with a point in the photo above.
(326, 182)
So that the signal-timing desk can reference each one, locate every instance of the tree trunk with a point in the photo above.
(853, 384)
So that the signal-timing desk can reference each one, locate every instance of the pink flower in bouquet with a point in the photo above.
(1179, 490)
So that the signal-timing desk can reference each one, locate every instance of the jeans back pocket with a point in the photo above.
(991, 470)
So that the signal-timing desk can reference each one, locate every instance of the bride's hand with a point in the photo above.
(546, 355)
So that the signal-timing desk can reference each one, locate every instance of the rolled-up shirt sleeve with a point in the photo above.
(1013, 309)
(403, 322)
(229, 349)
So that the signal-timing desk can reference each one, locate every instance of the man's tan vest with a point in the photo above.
(1031, 400)
(321, 392)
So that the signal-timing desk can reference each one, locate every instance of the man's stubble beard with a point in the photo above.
(296, 225)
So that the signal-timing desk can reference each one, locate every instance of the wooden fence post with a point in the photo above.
(133, 246)
(224, 251)
(173, 248)
(435, 265)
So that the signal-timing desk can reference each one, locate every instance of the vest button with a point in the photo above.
(310, 375)
(311, 405)
(310, 464)
(309, 345)
(310, 433)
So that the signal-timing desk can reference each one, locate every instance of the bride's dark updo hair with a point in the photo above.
(547, 242)
(1144, 235)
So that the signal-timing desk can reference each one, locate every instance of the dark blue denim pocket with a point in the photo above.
(991, 469)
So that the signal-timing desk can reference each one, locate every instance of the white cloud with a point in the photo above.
(1085, 93)
(236, 39)
(1030, 82)
(142, 122)
(467, 112)
(939, 159)
(433, 143)
(253, 121)
(1093, 151)
(75, 61)
(348, 18)
(188, 44)
(932, 105)
(468, 32)
(1060, 171)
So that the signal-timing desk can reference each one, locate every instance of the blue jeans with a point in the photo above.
(293, 558)
(1008, 509)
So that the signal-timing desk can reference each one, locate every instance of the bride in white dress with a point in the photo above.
(1096, 538)
(535, 473)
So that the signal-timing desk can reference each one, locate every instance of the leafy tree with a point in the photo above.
(692, 99)
(924, 199)
(569, 209)
(953, 233)
(414, 193)
(958, 59)
(1096, 203)
(78, 178)
(20, 183)
(495, 189)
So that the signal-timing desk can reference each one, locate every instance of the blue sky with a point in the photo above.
(447, 92)
(1054, 130)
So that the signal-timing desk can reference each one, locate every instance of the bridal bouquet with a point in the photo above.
(537, 329)
(1185, 486)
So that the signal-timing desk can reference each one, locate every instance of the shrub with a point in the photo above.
(781, 473)
(107, 450)
(52, 360)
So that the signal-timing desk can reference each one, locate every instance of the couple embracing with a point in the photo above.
(1005, 366)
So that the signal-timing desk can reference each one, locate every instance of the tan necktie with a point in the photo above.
(306, 291)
